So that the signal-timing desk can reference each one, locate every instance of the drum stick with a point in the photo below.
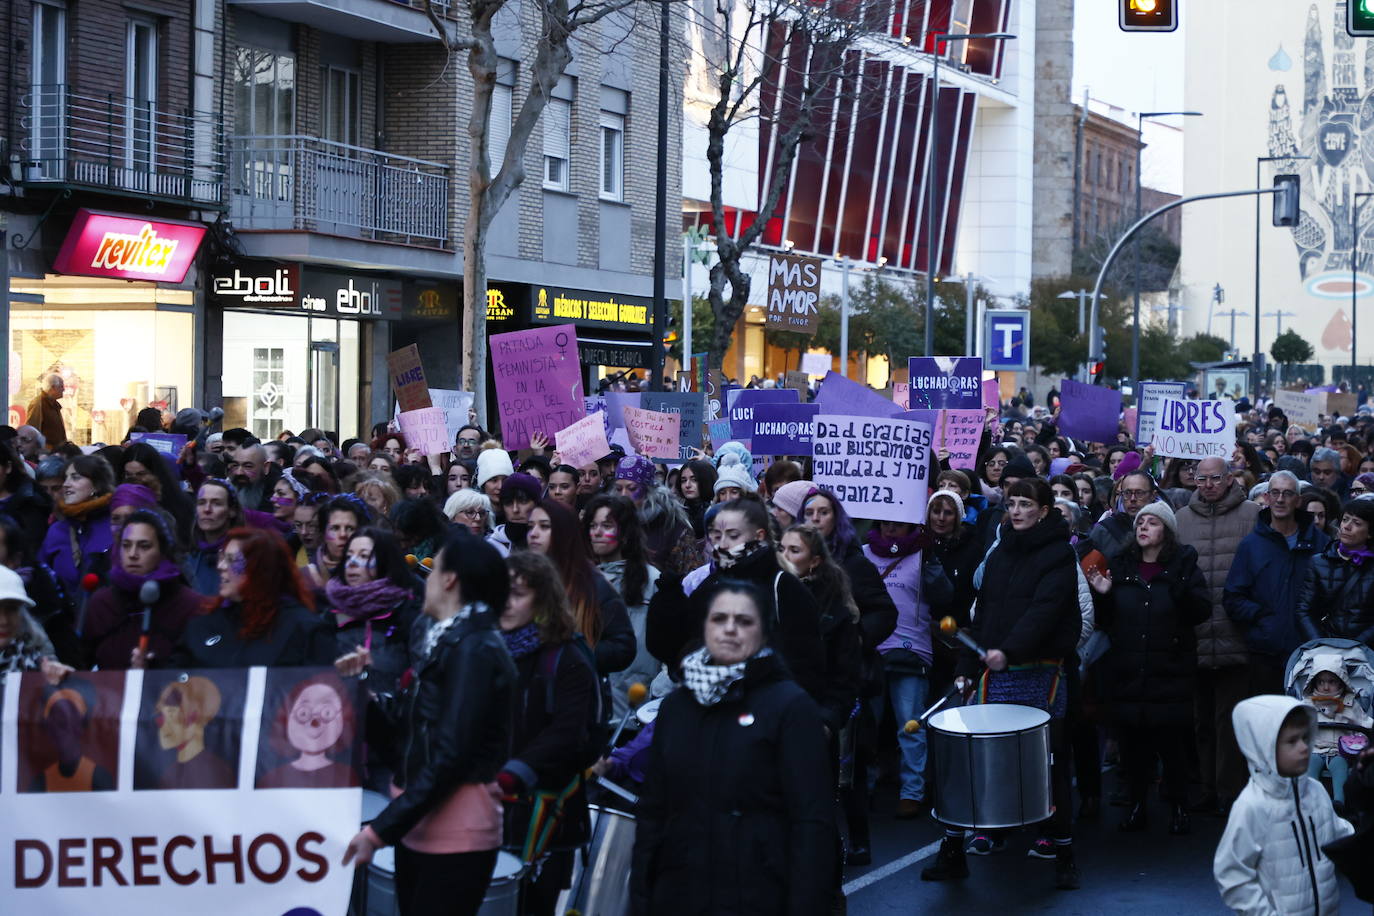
(623, 793)
(950, 627)
(636, 694)
(914, 725)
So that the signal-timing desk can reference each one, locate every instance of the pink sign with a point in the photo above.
(426, 429)
(991, 396)
(538, 382)
(962, 431)
(128, 247)
(901, 395)
(583, 442)
(653, 434)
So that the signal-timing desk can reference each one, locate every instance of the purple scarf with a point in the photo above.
(1356, 556)
(902, 546)
(523, 641)
(366, 601)
(125, 581)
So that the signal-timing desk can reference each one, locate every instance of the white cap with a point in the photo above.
(12, 587)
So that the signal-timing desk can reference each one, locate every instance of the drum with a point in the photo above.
(601, 873)
(503, 894)
(649, 711)
(992, 765)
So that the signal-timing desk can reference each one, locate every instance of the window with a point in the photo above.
(141, 92)
(264, 120)
(48, 73)
(557, 143)
(612, 156)
(342, 105)
(269, 392)
(498, 136)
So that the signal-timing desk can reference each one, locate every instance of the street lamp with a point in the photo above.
(1255, 359)
(1139, 186)
(1354, 267)
(932, 148)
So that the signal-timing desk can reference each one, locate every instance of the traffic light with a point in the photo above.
(1097, 359)
(1359, 18)
(1154, 15)
(1288, 188)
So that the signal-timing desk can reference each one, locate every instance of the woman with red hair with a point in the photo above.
(262, 615)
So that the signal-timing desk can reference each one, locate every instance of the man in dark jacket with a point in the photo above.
(1115, 533)
(1214, 522)
(1262, 587)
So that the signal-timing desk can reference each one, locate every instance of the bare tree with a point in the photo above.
(559, 22)
(785, 64)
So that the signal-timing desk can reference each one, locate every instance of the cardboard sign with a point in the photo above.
(816, 363)
(165, 443)
(784, 429)
(148, 824)
(538, 382)
(799, 382)
(1340, 404)
(743, 402)
(1195, 429)
(838, 395)
(1301, 408)
(584, 442)
(879, 468)
(454, 403)
(945, 382)
(653, 434)
(901, 395)
(794, 293)
(960, 435)
(1151, 395)
(408, 378)
(689, 405)
(1089, 412)
(426, 429)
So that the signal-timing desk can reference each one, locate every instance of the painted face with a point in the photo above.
(316, 721)
(730, 529)
(305, 522)
(819, 514)
(604, 534)
(139, 550)
(540, 536)
(629, 489)
(233, 571)
(1024, 512)
(360, 565)
(283, 500)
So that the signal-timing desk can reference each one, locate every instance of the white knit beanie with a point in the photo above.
(493, 462)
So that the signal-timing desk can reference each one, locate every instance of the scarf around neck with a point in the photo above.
(122, 579)
(522, 641)
(1356, 556)
(78, 511)
(709, 683)
(370, 599)
(733, 556)
(440, 627)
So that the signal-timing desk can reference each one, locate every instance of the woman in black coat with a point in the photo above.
(447, 734)
(743, 550)
(557, 701)
(735, 817)
(1149, 601)
(1337, 597)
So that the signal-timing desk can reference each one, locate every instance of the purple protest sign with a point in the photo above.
(992, 397)
(1089, 412)
(538, 382)
(783, 429)
(945, 382)
(743, 402)
(838, 395)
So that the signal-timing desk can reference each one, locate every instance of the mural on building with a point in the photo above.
(1335, 129)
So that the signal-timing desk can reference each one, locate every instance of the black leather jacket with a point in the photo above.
(1337, 598)
(452, 723)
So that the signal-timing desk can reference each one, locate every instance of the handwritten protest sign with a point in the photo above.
(794, 293)
(538, 382)
(1089, 412)
(816, 363)
(962, 431)
(218, 808)
(426, 429)
(1340, 404)
(653, 434)
(1195, 429)
(690, 405)
(1151, 395)
(1300, 407)
(878, 467)
(408, 378)
(584, 442)
(783, 429)
(454, 403)
(743, 401)
(720, 432)
(945, 382)
(901, 395)
(165, 443)
(616, 402)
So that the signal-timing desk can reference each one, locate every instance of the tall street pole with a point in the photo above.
(844, 315)
(661, 208)
(1355, 204)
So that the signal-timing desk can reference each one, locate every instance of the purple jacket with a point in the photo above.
(94, 537)
(903, 583)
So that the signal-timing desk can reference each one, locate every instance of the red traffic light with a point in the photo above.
(1148, 15)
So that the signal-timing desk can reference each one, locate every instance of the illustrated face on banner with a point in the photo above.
(66, 744)
(189, 730)
(183, 709)
(316, 720)
(310, 728)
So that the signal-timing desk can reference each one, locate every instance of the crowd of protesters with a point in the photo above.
(506, 609)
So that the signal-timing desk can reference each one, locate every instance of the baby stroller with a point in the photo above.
(1344, 720)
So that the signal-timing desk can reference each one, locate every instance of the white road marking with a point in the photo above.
(891, 868)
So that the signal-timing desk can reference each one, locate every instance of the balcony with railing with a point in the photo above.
(391, 21)
(293, 182)
(120, 145)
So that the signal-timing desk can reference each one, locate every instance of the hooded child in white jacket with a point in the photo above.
(1270, 861)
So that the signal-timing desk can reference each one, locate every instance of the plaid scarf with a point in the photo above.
(709, 682)
(440, 627)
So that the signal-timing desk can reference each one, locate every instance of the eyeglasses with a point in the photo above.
(473, 514)
(1210, 478)
(997, 463)
(326, 713)
(1282, 494)
(467, 441)
(1136, 494)
(1359, 489)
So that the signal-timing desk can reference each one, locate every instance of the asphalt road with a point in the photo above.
(1146, 873)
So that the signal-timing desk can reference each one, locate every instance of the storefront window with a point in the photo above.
(119, 347)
